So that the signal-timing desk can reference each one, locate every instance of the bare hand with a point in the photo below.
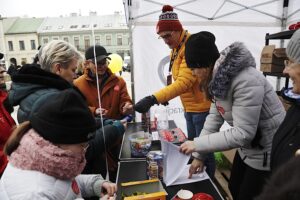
(101, 111)
(106, 197)
(187, 147)
(111, 188)
(128, 108)
(124, 122)
(196, 167)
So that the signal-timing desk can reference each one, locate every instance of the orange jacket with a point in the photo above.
(184, 85)
(113, 94)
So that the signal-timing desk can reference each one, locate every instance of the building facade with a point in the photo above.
(109, 31)
(21, 37)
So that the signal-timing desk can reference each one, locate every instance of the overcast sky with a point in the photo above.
(55, 8)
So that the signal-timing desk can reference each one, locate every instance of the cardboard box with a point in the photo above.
(271, 67)
(272, 59)
(152, 189)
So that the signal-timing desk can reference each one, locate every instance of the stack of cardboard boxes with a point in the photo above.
(272, 59)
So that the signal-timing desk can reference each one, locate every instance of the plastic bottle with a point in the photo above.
(146, 123)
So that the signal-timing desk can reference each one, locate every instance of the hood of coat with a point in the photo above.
(31, 78)
(233, 59)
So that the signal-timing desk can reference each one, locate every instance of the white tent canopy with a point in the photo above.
(247, 21)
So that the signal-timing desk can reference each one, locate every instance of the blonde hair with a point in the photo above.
(57, 51)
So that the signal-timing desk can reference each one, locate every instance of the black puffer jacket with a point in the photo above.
(31, 87)
(286, 140)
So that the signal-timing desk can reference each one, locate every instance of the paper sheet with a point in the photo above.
(176, 170)
(183, 178)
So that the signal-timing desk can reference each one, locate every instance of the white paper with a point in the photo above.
(155, 135)
(176, 170)
(183, 178)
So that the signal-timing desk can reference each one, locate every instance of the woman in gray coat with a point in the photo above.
(244, 99)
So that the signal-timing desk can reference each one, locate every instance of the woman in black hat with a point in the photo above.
(244, 99)
(47, 153)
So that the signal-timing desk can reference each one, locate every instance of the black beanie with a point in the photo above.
(65, 119)
(201, 50)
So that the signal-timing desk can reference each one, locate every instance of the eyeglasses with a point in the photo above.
(100, 63)
(290, 63)
(287, 63)
(166, 36)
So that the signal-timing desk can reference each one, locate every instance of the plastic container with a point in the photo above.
(140, 144)
(202, 196)
(155, 165)
(161, 118)
(184, 194)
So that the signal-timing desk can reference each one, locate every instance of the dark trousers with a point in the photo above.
(245, 182)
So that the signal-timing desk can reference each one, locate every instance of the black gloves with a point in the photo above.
(165, 103)
(145, 104)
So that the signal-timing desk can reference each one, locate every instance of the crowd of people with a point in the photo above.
(71, 127)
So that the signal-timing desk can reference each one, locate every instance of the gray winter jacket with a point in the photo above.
(247, 102)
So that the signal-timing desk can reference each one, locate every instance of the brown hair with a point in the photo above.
(14, 140)
(204, 83)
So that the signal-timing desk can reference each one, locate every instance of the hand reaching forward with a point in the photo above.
(187, 147)
(128, 108)
(145, 104)
(111, 188)
(197, 166)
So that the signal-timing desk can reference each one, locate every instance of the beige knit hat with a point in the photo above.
(293, 47)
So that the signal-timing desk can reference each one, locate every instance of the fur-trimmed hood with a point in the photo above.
(233, 59)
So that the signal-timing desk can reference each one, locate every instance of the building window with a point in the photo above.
(55, 38)
(47, 27)
(22, 45)
(97, 40)
(119, 40)
(10, 46)
(76, 42)
(108, 40)
(85, 26)
(66, 39)
(121, 53)
(73, 26)
(32, 42)
(45, 40)
(87, 42)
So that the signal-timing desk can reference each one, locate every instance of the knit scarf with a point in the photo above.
(36, 153)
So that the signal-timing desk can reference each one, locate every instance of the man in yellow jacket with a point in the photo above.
(185, 85)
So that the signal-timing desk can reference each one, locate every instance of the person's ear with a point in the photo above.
(56, 68)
